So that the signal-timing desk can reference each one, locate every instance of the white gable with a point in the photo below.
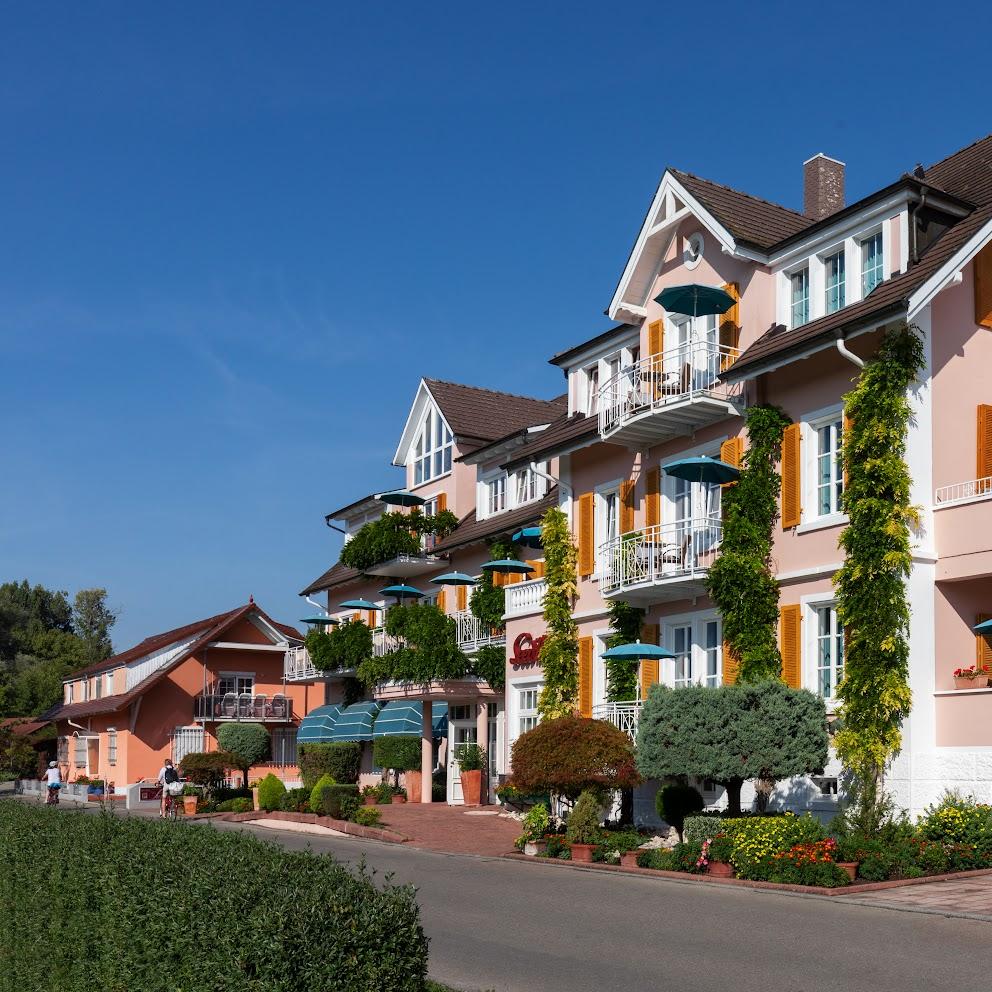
(423, 403)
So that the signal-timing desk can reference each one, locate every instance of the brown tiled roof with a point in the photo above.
(336, 575)
(487, 415)
(967, 173)
(21, 726)
(563, 357)
(888, 301)
(565, 434)
(748, 218)
(471, 530)
(206, 629)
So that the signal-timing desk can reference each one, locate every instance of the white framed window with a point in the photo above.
(872, 263)
(799, 298)
(186, 740)
(68, 693)
(834, 282)
(62, 751)
(284, 746)
(696, 640)
(110, 683)
(237, 682)
(433, 449)
(528, 486)
(829, 651)
(829, 471)
(98, 684)
(496, 495)
(79, 751)
(592, 389)
(607, 521)
(429, 509)
(527, 716)
(111, 746)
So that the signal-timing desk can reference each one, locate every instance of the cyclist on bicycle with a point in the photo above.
(168, 776)
(54, 779)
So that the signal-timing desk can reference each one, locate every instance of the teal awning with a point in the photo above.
(317, 726)
(354, 723)
(404, 718)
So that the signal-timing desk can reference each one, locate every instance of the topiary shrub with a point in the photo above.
(209, 769)
(571, 754)
(334, 797)
(317, 791)
(584, 822)
(677, 801)
(341, 761)
(248, 742)
(398, 753)
(270, 792)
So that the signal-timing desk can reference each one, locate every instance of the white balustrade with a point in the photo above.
(472, 633)
(963, 492)
(297, 666)
(684, 549)
(680, 373)
(383, 643)
(523, 598)
(624, 716)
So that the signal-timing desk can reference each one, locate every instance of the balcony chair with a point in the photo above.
(259, 707)
(278, 709)
(229, 706)
(244, 706)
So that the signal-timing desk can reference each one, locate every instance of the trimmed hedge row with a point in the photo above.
(341, 761)
(117, 903)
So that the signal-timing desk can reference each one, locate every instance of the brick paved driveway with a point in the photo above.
(455, 829)
(972, 896)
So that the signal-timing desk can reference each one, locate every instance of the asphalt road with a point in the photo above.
(514, 927)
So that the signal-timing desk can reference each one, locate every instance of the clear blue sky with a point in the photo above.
(234, 236)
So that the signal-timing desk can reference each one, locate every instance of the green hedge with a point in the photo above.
(341, 761)
(338, 800)
(397, 752)
(271, 792)
(115, 903)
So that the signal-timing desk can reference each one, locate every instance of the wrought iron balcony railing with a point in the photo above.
(234, 706)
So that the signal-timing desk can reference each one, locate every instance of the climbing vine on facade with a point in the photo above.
(621, 673)
(559, 652)
(872, 602)
(488, 601)
(741, 581)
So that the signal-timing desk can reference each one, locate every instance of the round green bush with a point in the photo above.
(270, 792)
(315, 793)
(677, 801)
(367, 816)
(583, 826)
(248, 742)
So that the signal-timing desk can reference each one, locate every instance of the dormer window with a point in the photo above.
(432, 452)
(871, 263)
(833, 277)
(496, 495)
(799, 310)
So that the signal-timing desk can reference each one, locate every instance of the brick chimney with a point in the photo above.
(823, 186)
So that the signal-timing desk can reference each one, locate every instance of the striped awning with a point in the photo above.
(354, 723)
(404, 719)
(317, 726)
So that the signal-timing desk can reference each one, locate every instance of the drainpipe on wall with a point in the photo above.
(563, 487)
(912, 224)
(316, 605)
(848, 354)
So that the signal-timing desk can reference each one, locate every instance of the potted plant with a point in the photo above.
(398, 796)
(191, 795)
(716, 853)
(628, 859)
(536, 824)
(583, 831)
(972, 677)
(94, 787)
(472, 763)
(370, 795)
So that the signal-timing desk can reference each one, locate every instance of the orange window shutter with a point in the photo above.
(656, 337)
(983, 287)
(731, 664)
(462, 599)
(730, 326)
(792, 506)
(587, 534)
(538, 567)
(626, 506)
(356, 617)
(791, 644)
(371, 620)
(442, 502)
(585, 676)
(441, 600)
(983, 644)
(984, 447)
(650, 633)
(650, 670)
(652, 498)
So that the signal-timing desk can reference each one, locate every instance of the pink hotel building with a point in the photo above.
(815, 290)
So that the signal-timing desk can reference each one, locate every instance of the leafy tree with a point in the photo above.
(249, 743)
(91, 622)
(871, 585)
(488, 601)
(570, 754)
(741, 581)
(343, 647)
(398, 753)
(732, 733)
(394, 534)
(559, 652)
(208, 768)
(621, 673)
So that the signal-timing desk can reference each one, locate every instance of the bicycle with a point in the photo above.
(52, 799)
(171, 807)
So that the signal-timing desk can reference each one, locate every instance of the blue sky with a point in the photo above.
(234, 236)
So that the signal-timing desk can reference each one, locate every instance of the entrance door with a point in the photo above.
(459, 732)
(93, 757)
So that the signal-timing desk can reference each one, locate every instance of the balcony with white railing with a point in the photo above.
(383, 643)
(472, 634)
(298, 666)
(407, 566)
(963, 492)
(665, 562)
(623, 716)
(669, 395)
(525, 598)
(962, 530)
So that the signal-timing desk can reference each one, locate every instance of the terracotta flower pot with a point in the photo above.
(720, 869)
(535, 847)
(414, 781)
(981, 682)
(396, 800)
(851, 867)
(629, 858)
(189, 805)
(472, 787)
(582, 852)
(369, 800)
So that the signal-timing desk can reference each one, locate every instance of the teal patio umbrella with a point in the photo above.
(638, 651)
(319, 621)
(402, 592)
(507, 566)
(702, 469)
(985, 627)
(357, 604)
(695, 300)
(453, 579)
(400, 497)
(528, 537)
